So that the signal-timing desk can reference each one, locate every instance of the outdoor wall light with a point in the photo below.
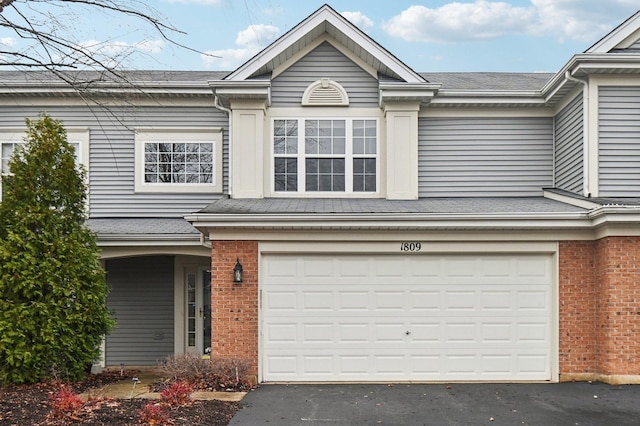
(237, 272)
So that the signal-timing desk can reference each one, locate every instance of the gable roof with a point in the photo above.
(620, 37)
(325, 20)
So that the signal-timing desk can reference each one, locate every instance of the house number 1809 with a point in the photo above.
(410, 246)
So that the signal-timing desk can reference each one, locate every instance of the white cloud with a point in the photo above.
(8, 41)
(481, 20)
(359, 19)
(459, 22)
(583, 20)
(250, 41)
(150, 46)
(257, 35)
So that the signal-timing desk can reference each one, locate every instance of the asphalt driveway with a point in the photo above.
(441, 404)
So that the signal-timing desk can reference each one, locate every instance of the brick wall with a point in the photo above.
(577, 291)
(234, 307)
(618, 316)
(600, 309)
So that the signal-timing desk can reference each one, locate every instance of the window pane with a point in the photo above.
(311, 182)
(179, 162)
(279, 144)
(279, 128)
(339, 128)
(310, 145)
(324, 165)
(358, 146)
(364, 174)
(285, 174)
(358, 128)
(370, 183)
(338, 145)
(370, 146)
(370, 128)
(325, 146)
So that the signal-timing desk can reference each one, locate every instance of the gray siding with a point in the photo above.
(484, 156)
(619, 141)
(112, 159)
(142, 298)
(569, 151)
(325, 61)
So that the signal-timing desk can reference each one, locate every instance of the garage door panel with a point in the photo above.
(416, 317)
(392, 365)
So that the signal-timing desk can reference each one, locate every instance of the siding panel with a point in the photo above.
(142, 298)
(619, 134)
(112, 159)
(569, 152)
(484, 156)
(325, 61)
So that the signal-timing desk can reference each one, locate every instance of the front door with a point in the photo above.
(198, 311)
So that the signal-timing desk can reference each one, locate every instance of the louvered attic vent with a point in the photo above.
(325, 92)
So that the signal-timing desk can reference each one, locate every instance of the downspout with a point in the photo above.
(585, 129)
(217, 105)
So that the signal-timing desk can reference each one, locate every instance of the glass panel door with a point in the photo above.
(198, 311)
(192, 312)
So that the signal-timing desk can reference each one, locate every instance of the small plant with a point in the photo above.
(217, 373)
(65, 404)
(179, 393)
(154, 414)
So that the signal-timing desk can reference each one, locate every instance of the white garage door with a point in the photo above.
(406, 318)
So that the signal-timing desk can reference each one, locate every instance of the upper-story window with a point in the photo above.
(325, 155)
(175, 160)
(12, 140)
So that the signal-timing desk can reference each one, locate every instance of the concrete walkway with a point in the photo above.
(125, 389)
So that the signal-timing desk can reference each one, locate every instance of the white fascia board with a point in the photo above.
(319, 17)
(134, 88)
(260, 89)
(393, 221)
(408, 91)
(617, 36)
(453, 98)
(583, 63)
(147, 240)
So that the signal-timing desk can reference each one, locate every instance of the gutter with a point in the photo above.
(396, 221)
(585, 129)
(218, 106)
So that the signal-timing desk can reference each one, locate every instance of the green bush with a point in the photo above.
(53, 290)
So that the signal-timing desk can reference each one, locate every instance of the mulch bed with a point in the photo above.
(29, 405)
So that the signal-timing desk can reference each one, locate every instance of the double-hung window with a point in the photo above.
(331, 155)
(10, 141)
(175, 160)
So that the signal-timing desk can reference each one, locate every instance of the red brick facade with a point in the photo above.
(600, 309)
(577, 293)
(234, 307)
(599, 306)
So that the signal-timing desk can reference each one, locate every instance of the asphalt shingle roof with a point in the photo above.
(147, 226)
(449, 80)
(506, 205)
(489, 80)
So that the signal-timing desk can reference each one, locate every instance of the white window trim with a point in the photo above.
(348, 156)
(208, 134)
(81, 136)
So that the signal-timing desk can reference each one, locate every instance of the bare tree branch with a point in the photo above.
(50, 43)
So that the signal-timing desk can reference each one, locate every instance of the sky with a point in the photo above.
(427, 35)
